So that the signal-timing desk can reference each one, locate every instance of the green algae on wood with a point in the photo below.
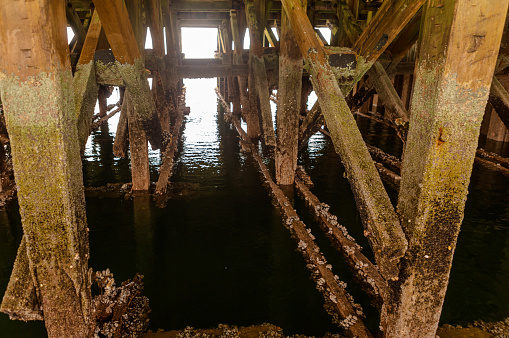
(107, 74)
(136, 82)
(453, 74)
(21, 301)
(289, 101)
(138, 146)
(41, 121)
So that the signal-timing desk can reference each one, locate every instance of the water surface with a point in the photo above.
(218, 253)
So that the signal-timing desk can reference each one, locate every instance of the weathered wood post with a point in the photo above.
(161, 87)
(459, 43)
(240, 103)
(38, 99)
(289, 104)
(259, 88)
(138, 142)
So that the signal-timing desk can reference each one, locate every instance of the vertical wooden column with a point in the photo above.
(406, 89)
(174, 55)
(289, 104)
(251, 114)
(240, 98)
(138, 142)
(260, 89)
(161, 89)
(457, 55)
(37, 95)
(227, 56)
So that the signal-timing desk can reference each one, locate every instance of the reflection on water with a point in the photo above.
(219, 254)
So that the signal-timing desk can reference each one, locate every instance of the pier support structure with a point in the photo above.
(289, 104)
(453, 76)
(124, 31)
(38, 98)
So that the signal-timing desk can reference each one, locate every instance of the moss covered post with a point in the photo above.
(138, 142)
(160, 87)
(259, 87)
(459, 43)
(38, 98)
(289, 104)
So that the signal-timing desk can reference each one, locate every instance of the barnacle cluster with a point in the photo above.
(231, 331)
(120, 311)
(348, 321)
(189, 332)
(498, 329)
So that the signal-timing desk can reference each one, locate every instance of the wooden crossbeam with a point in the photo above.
(91, 40)
(403, 42)
(200, 23)
(378, 77)
(395, 108)
(204, 16)
(269, 34)
(348, 22)
(388, 22)
(379, 218)
(202, 6)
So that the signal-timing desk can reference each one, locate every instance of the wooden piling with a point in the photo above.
(37, 95)
(450, 93)
(260, 89)
(122, 135)
(289, 104)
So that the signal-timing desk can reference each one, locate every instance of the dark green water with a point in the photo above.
(219, 253)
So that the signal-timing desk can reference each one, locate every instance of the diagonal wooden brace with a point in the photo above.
(378, 215)
(21, 300)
